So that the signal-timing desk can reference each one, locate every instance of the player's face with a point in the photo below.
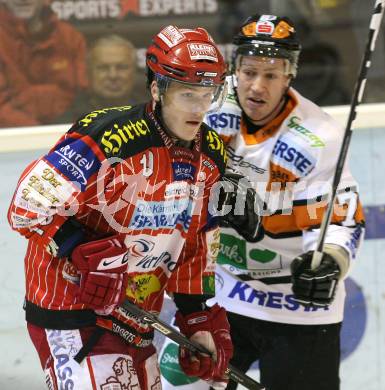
(24, 9)
(262, 83)
(111, 71)
(184, 107)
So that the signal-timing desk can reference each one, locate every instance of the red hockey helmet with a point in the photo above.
(185, 55)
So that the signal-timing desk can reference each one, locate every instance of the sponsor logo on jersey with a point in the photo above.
(168, 214)
(183, 171)
(113, 139)
(208, 164)
(258, 262)
(224, 120)
(354, 241)
(242, 292)
(43, 188)
(142, 250)
(293, 157)
(239, 161)
(311, 138)
(181, 189)
(141, 286)
(75, 160)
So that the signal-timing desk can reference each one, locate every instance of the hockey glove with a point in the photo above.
(210, 329)
(102, 265)
(244, 205)
(314, 287)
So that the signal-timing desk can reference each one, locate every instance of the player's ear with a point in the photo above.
(155, 91)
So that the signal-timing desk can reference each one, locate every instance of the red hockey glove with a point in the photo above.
(210, 329)
(102, 265)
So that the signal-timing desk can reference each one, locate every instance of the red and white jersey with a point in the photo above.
(290, 162)
(116, 170)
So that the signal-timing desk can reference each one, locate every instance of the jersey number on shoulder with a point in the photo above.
(351, 200)
(147, 162)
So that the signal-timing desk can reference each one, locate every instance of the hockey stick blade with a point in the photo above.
(168, 331)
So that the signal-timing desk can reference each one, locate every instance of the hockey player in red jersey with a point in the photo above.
(118, 209)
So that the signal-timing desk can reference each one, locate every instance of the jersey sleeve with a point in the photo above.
(304, 173)
(57, 186)
(347, 224)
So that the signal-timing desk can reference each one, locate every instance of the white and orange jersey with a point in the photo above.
(291, 163)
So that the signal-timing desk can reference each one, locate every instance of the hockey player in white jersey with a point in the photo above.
(282, 313)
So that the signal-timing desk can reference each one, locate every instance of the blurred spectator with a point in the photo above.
(42, 63)
(111, 66)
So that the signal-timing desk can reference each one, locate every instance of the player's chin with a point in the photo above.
(190, 129)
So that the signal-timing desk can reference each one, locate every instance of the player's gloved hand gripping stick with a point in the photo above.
(167, 330)
(374, 28)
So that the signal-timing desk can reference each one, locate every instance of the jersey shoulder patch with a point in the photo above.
(214, 147)
(119, 131)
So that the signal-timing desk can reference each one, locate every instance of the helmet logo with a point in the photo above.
(206, 74)
(171, 36)
(202, 51)
(263, 18)
(249, 29)
(282, 30)
(265, 27)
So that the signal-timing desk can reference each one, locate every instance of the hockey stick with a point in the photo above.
(167, 330)
(374, 27)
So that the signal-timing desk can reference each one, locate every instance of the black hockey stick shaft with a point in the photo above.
(374, 27)
(167, 330)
